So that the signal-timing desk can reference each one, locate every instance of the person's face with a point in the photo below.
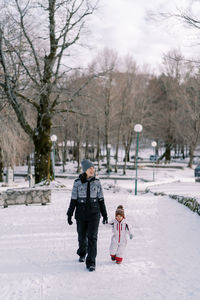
(90, 172)
(119, 218)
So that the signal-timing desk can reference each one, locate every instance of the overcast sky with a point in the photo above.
(124, 25)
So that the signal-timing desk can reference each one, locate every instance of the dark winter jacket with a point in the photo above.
(87, 199)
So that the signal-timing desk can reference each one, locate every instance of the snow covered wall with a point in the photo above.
(25, 196)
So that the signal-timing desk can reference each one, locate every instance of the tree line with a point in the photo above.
(167, 105)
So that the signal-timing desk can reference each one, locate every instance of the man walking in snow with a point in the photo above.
(88, 202)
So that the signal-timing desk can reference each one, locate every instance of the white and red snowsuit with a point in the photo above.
(119, 238)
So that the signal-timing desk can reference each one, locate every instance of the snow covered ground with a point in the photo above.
(38, 248)
(186, 189)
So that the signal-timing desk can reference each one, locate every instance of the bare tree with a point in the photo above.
(125, 84)
(164, 101)
(134, 97)
(15, 143)
(191, 112)
(32, 50)
(105, 63)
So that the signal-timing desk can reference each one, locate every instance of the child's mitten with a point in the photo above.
(131, 236)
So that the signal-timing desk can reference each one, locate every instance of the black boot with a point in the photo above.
(81, 258)
(91, 268)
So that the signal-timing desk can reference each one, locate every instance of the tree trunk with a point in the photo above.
(78, 157)
(175, 150)
(87, 142)
(29, 164)
(186, 150)
(43, 144)
(128, 152)
(1, 167)
(192, 148)
(125, 161)
(98, 151)
(86, 150)
(119, 133)
(194, 142)
(182, 151)
(64, 154)
(127, 147)
(156, 150)
(98, 157)
(167, 152)
(109, 169)
(116, 156)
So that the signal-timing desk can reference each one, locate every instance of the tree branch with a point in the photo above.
(28, 100)
(69, 111)
(11, 48)
(28, 39)
(70, 26)
(8, 89)
(2, 106)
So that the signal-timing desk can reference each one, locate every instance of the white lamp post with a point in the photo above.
(137, 128)
(53, 139)
(154, 144)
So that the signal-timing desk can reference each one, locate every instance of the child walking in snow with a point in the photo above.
(119, 238)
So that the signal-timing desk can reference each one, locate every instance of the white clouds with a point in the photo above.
(124, 25)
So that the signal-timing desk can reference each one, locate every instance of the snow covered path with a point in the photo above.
(38, 253)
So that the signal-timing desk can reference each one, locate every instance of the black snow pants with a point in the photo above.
(87, 239)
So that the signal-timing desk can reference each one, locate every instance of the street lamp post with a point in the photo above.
(154, 144)
(137, 128)
(53, 139)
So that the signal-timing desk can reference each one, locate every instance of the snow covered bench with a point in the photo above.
(25, 196)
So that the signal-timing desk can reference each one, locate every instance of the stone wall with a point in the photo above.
(25, 196)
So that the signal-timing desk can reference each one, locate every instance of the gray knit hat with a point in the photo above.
(86, 164)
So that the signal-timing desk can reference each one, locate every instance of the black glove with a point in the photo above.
(69, 220)
(105, 220)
